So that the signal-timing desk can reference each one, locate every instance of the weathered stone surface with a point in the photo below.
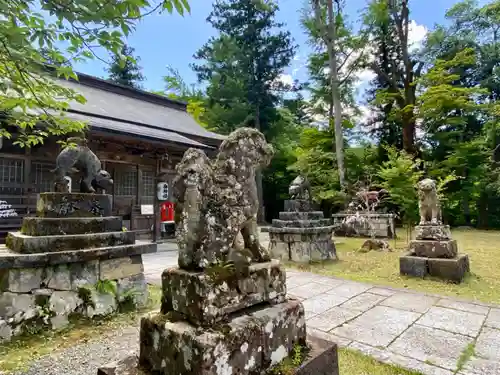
(363, 302)
(381, 225)
(118, 268)
(246, 344)
(57, 277)
(411, 265)
(62, 303)
(431, 345)
(300, 223)
(102, 304)
(300, 188)
(9, 259)
(127, 366)
(428, 202)
(21, 243)
(322, 358)
(449, 269)
(5, 331)
(488, 344)
(204, 299)
(73, 205)
(493, 319)
(279, 250)
(434, 249)
(311, 215)
(433, 232)
(298, 205)
(84, 274)
(465, 323)
(331, 319)
(46, 226)
(322, 232)
(217, 200)
(17, 307)
(21, 280)
(134, 287)
(410, 302)
(307, 251)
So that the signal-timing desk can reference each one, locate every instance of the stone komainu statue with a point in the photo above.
(218, 200)
(428, 202)
(300, 188)
(80, 158)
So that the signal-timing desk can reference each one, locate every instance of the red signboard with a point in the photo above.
(167, 211)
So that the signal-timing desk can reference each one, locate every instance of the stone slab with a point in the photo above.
(277, 223)
(453, 270)
(363, 302)
(433, 232)
(463, 322)
(203, 300)
(9, 259)
(118, 268)
(245, 344)
(310, 289)
(314, 232)
(322, 359)
(463, 306)
(431, 345)
(488, 344)
(433, 248)
(332, 318)
(298, 205)
(311, 215)
(53, 204)
(279, 250)
(323, 302)
(480, 366)
(24, 244)
(46, 226)
(410, 302)
(411, 265)
(378, 326)
(493, 319)
(348, 289)
(126, 366)
(307, 251)
(21, 280)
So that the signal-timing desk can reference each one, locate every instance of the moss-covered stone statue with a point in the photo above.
(300, 188)
(217, 200)
(79, 158)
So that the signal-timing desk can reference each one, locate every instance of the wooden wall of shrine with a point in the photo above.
(134, 165)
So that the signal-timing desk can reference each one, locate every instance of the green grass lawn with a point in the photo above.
(483, 284)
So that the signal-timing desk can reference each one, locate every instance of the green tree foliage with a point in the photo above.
(124, 68)
(39, 40)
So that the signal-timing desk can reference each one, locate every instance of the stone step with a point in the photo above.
(204, 298)
(21, 243)
(311, 215)
(73, 205)
(309, 231)
(47, 226)
(299, 205)
(301, 223)
(10, 259)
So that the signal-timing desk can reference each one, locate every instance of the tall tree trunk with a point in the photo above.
(330, 38)
(261, 214)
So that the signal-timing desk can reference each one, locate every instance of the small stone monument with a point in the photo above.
(301, 234)
(433, 252)
(72, 257)
(224, 311)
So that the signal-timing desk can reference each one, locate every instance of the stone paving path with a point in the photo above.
(426, 333)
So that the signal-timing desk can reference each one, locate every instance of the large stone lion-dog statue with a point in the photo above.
(79, 158)
(428, 202)
(218, 200)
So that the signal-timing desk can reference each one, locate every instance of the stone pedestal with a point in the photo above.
(434, 253)
(71, 258)
(301, 234)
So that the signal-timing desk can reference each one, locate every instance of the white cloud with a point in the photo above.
(286, 79)
(416, 35)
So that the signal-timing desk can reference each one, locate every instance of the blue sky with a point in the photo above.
(161, 40)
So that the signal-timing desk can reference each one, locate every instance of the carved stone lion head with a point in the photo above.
(245, 149)
(426, 185)
(194, 169)
(102, 180)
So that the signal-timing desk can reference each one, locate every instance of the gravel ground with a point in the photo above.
(84, 359)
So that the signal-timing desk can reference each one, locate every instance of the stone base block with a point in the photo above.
(73, 205)
(311, 215)
(453, 270)
(45, 226)
(301, 223)
(21, 243)
(322, 360)
(298, 205)
(411, 265)
(449, 269)
(203, 299)
(246, 344)
(434, 249)
(312, 251)
(433, 232)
